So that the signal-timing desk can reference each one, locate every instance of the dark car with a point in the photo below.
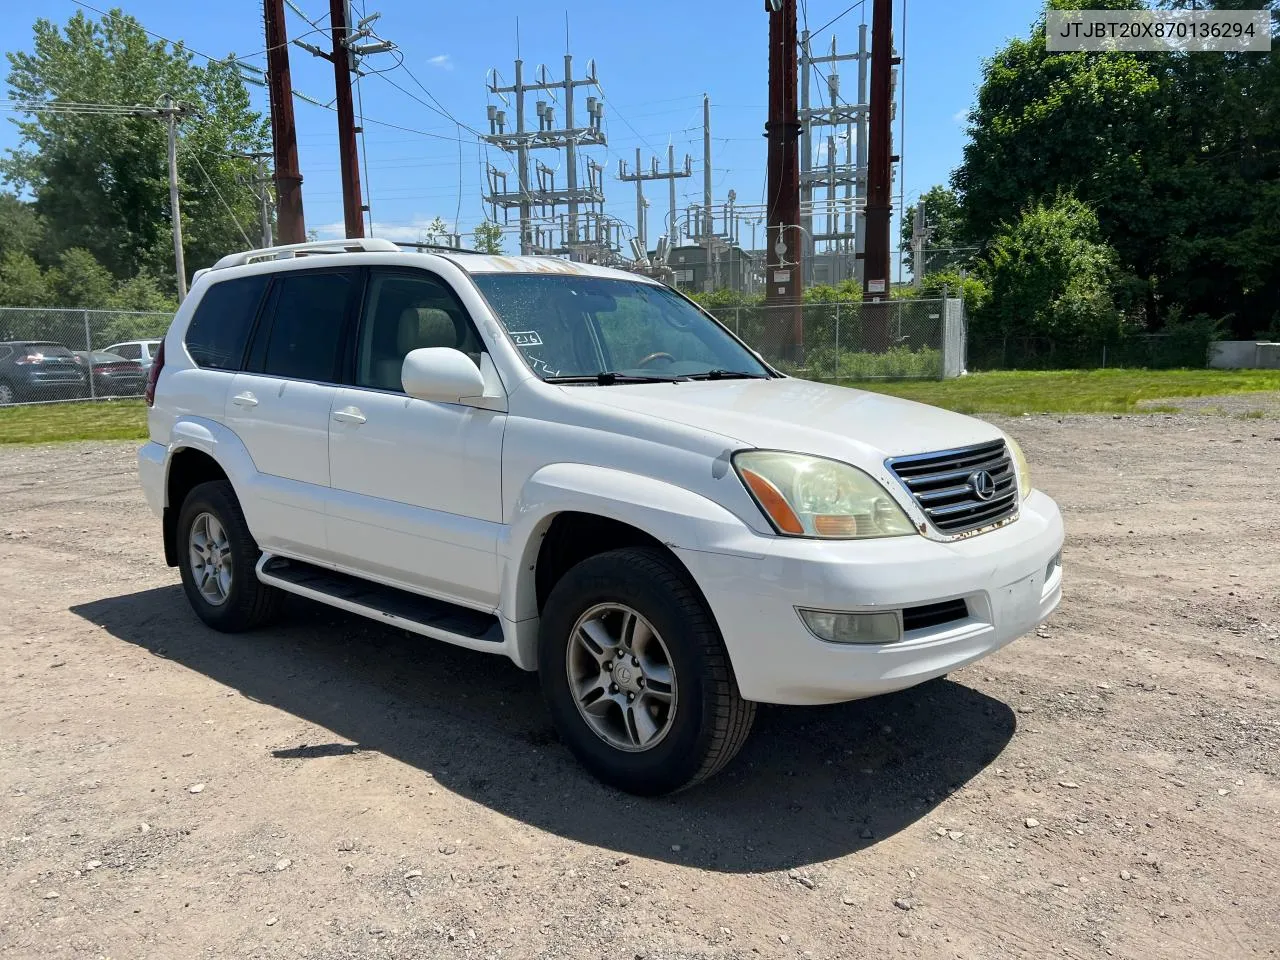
(113, 375)
(40, 370)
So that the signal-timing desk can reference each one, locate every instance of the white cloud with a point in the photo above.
(406, 232)
(961, 117)
(441, 62)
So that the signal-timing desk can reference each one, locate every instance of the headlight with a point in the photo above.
(807, 496)
(1024, 471)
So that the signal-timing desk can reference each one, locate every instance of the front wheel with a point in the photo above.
(636, 674)
(217, 559)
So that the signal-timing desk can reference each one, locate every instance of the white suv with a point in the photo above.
(581, 470)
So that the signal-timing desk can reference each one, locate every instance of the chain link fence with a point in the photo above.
(851, 340)
(48, 354)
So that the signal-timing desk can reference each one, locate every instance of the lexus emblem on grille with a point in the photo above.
(984, 485)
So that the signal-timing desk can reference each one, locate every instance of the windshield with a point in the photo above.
(575, 326)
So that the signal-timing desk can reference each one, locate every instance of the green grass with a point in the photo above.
(53, 422)
(1011, 392)
(1074, 391)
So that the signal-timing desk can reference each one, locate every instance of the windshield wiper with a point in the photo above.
(609, 377)
(727, 375)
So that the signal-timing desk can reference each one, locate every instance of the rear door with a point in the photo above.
(279, 405)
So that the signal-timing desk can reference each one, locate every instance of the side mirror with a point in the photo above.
(441, 375)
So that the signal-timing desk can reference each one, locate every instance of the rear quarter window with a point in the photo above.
(219, 330)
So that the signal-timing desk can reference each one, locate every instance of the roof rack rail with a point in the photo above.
(444, 247)
(311, 248)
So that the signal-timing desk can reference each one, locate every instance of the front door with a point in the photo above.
(416, 496)
(279, 407)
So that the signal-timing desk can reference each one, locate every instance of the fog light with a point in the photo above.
(853, 627)
(1054, 564)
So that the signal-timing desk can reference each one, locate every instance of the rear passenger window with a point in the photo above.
(220, 328)
(306, 335)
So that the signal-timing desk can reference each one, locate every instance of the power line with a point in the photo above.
(218, 193)
(849, 9)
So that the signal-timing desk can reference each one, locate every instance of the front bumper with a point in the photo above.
(1002, 575)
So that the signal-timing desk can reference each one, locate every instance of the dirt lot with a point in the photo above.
(333, 789)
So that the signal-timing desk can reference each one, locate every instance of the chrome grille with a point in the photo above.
(945, 485)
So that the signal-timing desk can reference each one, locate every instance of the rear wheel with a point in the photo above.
(217, 559)
(637, 676)
(7, 395)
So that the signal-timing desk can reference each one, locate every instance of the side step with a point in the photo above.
(437, 619)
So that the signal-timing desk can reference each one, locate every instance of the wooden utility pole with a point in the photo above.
(879, 209)
(290, 226)
(784, 284)
(352, 205)
(171, 113)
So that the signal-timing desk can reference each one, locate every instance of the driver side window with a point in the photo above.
(403, 312)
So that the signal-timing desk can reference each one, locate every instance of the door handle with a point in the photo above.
(245, 399)
(349, 415)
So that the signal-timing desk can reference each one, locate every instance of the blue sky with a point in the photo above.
(654, 61)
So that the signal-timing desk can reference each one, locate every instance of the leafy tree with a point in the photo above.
(142, 292)
(437, 231)
(79, 280)
(22, 284)
(100, 180)
(944, 220)
(21, 228)
(1050, 274)
(488, 237)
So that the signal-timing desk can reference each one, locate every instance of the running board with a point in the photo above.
(437, 619)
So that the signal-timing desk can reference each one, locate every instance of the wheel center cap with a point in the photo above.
(627, 677)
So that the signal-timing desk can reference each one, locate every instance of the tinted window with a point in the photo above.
(306, 335)
(404, 312)
(48, 350)
(130, 351)
(220, 328)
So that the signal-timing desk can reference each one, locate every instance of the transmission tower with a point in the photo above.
(834, 187)
(585, 233)
(671, 175)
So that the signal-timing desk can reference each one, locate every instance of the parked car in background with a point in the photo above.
(113, 375)
(39, 370)
(141, 352)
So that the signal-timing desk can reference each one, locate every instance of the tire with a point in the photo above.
(246, 602)
(702, 724)
(7, 396)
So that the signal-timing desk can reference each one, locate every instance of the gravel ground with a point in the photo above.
(332, 788)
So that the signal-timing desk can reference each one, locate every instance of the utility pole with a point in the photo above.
(260, 185)
(919, 235)
(879, 201)
(284, 135)
(171, 113)
(640, 176)
(708, 223)
(352, 206)
(783, 236)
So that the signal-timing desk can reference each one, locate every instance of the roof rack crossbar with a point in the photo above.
(311, 248)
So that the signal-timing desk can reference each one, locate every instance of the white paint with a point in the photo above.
(451, 499)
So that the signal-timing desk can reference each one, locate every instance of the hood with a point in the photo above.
(799, 415)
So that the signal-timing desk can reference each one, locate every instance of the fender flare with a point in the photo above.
(222, 446)
(673, 515)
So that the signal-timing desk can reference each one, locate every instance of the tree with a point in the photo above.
(79, 280)
(21, 228)
(943, 219)
(438, 232)
(100, 180)
(1050, 274)
(488, 237)
(22, 284)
